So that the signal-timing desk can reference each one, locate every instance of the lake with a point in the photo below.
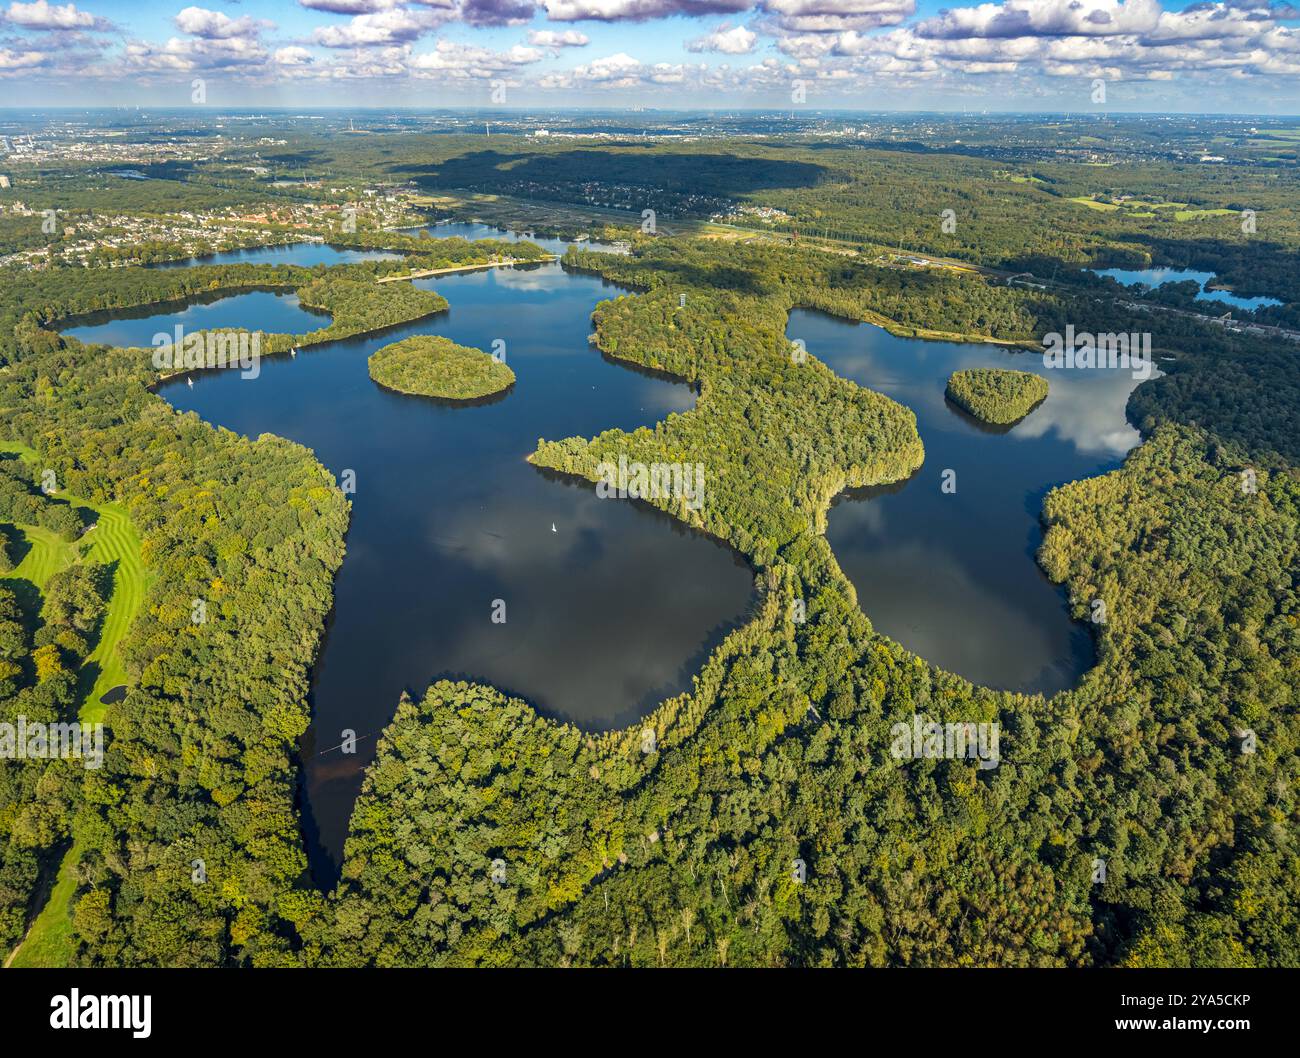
(952, 576)
(610, 606)
(272, 312)
(473, 230)
(310, 254)
(1157, 277)
(303, 254)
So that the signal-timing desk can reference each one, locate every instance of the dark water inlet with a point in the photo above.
(269, 311)
(303, 254)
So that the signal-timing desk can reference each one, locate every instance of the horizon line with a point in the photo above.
(640, 109)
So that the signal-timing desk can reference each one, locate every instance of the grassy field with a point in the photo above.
(1092, 203)
(49, 942)
(46, 555)
(116, 542)
(1135, 207)
(113, 541)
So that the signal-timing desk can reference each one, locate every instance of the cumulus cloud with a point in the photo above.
(1212, 21)
(612, 69)
(622, 72)
(293, 56)
(1114, 39)
(1044, 18)
(730, 40)
(497, 12)
(638, 10)
(394, 26)
(349, 7)
(45, 16)
(549, 38)
(16, 61)
(835, 16)
(836, 46)
(458, 60)
(214, 25)
(242, 54)
(1024, 43)
(447, 61)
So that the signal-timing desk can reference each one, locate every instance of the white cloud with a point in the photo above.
(1044, 18)
(622, 71)
(46, 16)
(549, 38)
(862, 48)
(834, 16)
(1116, 39)
(243, 54)
(638, 10)
(293, 56)
(11, 61)
(611, 67)
(394, 26)
(730, 40)
(349, 7)
(214, 25)
(446, 61)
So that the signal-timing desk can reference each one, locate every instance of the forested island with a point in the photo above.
(997, 395)
(430, 366)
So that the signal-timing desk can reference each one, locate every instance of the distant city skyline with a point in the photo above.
(1233, 56)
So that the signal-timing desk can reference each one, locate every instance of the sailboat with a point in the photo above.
(553, 529)
(190, 382)
(293, 352)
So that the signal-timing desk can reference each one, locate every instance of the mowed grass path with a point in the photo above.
(113, 541)
(47, 555)
(116, 542)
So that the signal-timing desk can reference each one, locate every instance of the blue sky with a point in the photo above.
(1175, 55)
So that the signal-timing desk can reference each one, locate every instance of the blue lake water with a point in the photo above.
(1156, 277)
(952, 576)
(475, 230)
(304, 254)
(309, 254)
(610, 606)
(258, 310)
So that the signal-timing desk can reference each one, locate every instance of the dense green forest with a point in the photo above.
(1240, 387)
(997, 395)
(1048, 216)
(49, 621)
(430, 366)
(683, 856)
(347, 293)
(199, 757)
(254, 530)
(1147, 817)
